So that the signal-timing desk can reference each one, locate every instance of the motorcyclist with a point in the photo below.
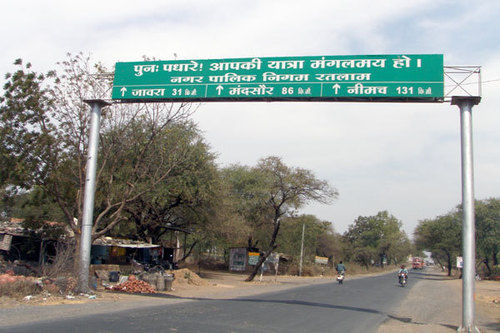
(402, 271)
(340, 268)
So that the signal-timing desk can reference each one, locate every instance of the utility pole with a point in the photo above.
(88, 199)
(465, 105)
(302, 249)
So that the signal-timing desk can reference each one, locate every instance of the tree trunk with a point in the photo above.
(487, 264)
(76, 263)
(495, 258)
(251, 244)
(188, 253)
(266, 254)
(439, 263)
(449, 265)
(259, 264)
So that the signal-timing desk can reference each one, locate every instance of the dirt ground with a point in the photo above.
(435, 305)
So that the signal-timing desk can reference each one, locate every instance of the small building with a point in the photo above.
(117, 251)
(40, 244)
(36, 244)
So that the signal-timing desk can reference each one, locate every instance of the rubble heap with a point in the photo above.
(9, 277)
(187, 276)
(133, 285)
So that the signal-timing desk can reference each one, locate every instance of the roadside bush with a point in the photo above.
(66, 284)
(20, 289)
(355, 268)
(310, 269)
(61, 264)
(485, 274)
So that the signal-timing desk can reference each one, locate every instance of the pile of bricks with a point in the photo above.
(133, 285)
(9, 277)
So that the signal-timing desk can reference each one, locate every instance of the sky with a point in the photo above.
(399, 157)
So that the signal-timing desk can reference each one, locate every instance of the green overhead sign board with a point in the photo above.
(385, 78)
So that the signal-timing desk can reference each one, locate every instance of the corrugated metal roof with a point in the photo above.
(119, 242)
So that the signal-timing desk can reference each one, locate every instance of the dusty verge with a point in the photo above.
(435, 305)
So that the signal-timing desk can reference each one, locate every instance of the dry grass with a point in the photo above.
(320, 270)
(19, 289)
(61, 264)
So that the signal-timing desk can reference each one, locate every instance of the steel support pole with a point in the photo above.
(88, 199)
(302, 249)
(465, 105)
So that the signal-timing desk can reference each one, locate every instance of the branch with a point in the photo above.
(188, 253)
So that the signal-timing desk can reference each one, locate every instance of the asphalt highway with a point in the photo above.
(359, 305)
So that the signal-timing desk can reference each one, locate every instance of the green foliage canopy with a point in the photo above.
(372, 238)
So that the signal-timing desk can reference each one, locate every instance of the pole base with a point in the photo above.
(473, 329)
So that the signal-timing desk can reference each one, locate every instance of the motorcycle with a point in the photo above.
(155, 267)
(341, 277)
(403, 279)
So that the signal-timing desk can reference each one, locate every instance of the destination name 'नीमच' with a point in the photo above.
(359, 89)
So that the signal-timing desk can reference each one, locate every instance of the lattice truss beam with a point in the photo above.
(462, 81)
(458, 81)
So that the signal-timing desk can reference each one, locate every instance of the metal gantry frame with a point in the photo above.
(462, 81)
(465, 104)
(462, 87)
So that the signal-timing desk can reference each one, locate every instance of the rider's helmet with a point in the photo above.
(402, 266)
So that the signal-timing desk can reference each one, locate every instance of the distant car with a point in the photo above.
(417, 263)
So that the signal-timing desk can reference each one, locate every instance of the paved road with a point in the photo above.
(359, 305)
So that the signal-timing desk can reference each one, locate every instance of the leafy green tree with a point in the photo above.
(248, 194)
(25, 118)
(488, 231)
(35, 205)
(44, 128)
(274, 191)
(290, 238)
(190, 200)
(375, 238)
(174, 203)
(330, 244)
(441, 236)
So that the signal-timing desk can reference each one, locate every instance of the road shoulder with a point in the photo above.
(434, 304)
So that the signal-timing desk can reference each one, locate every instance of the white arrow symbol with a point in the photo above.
(219, 89)
(123, 91)
(336, 87)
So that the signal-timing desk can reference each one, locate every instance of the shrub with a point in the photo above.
(20, 288)
(61, 264)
